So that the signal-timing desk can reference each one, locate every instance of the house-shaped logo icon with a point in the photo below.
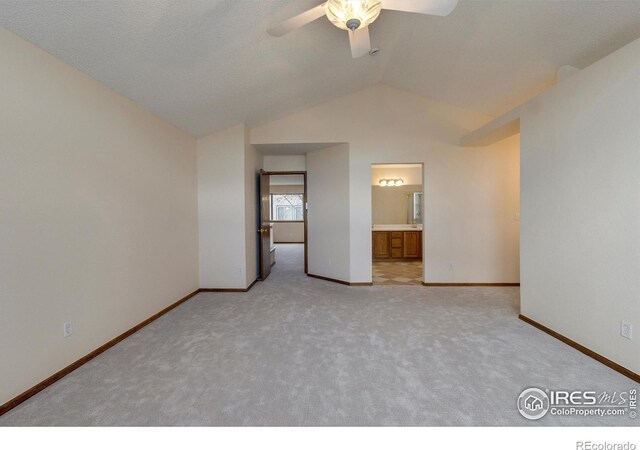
(533, 403)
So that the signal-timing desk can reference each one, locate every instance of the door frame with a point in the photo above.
(423, 240)
(304, 209)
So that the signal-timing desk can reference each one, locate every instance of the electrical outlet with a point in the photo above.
(329, 262)
(625, 330)
(67, 330)
(517, 217)
(451, 266)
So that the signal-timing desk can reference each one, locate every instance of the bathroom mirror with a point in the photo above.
(396, 205)
(414, 207)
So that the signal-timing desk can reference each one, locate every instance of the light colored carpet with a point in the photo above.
(301, 351)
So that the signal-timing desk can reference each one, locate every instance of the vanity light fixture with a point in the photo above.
(391, 182)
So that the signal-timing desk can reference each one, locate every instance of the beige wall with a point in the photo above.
(581, 208)
(410, 175)
(328, 212)
(471, 194)
(287, 188)
(285, 163)
(227, 203)
(389, 204)
(221, 208)
(98, 215)
(284, 232)
(286, 180)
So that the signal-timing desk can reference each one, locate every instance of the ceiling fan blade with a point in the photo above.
(433, 7)
(360, 43)
(298, 21)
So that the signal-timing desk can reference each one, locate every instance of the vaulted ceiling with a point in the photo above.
(206, 65)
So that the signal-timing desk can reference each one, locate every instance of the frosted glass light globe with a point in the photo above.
(353, 14)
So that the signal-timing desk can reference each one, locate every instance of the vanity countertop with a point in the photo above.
(397, 227)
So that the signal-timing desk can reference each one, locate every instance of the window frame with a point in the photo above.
(272, 208)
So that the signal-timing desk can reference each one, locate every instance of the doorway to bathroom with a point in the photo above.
(397, 210)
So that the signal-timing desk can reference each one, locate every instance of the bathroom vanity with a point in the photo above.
(397, 242)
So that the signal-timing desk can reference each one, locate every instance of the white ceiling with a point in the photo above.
(206, 65)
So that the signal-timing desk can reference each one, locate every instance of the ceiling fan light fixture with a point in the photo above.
(353, 14)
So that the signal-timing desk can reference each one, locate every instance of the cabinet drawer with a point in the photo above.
(396, 234)
(396, 242)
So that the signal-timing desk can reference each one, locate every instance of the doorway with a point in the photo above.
(397, 210)
(283, 221)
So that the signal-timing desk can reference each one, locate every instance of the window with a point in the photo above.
(287, 207)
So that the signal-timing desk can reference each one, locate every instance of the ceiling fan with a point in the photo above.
(355, 16)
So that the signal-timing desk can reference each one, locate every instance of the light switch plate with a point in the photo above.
(625, 330)
(67, 330)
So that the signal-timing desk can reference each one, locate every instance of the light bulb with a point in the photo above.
(391, 183)
(399, 182)
(353, 14)
(383, 183)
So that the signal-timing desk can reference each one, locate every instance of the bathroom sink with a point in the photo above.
(397, 227)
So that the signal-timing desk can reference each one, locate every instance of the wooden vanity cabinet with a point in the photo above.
(396, 245)
(412, 247)
(380, 242)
